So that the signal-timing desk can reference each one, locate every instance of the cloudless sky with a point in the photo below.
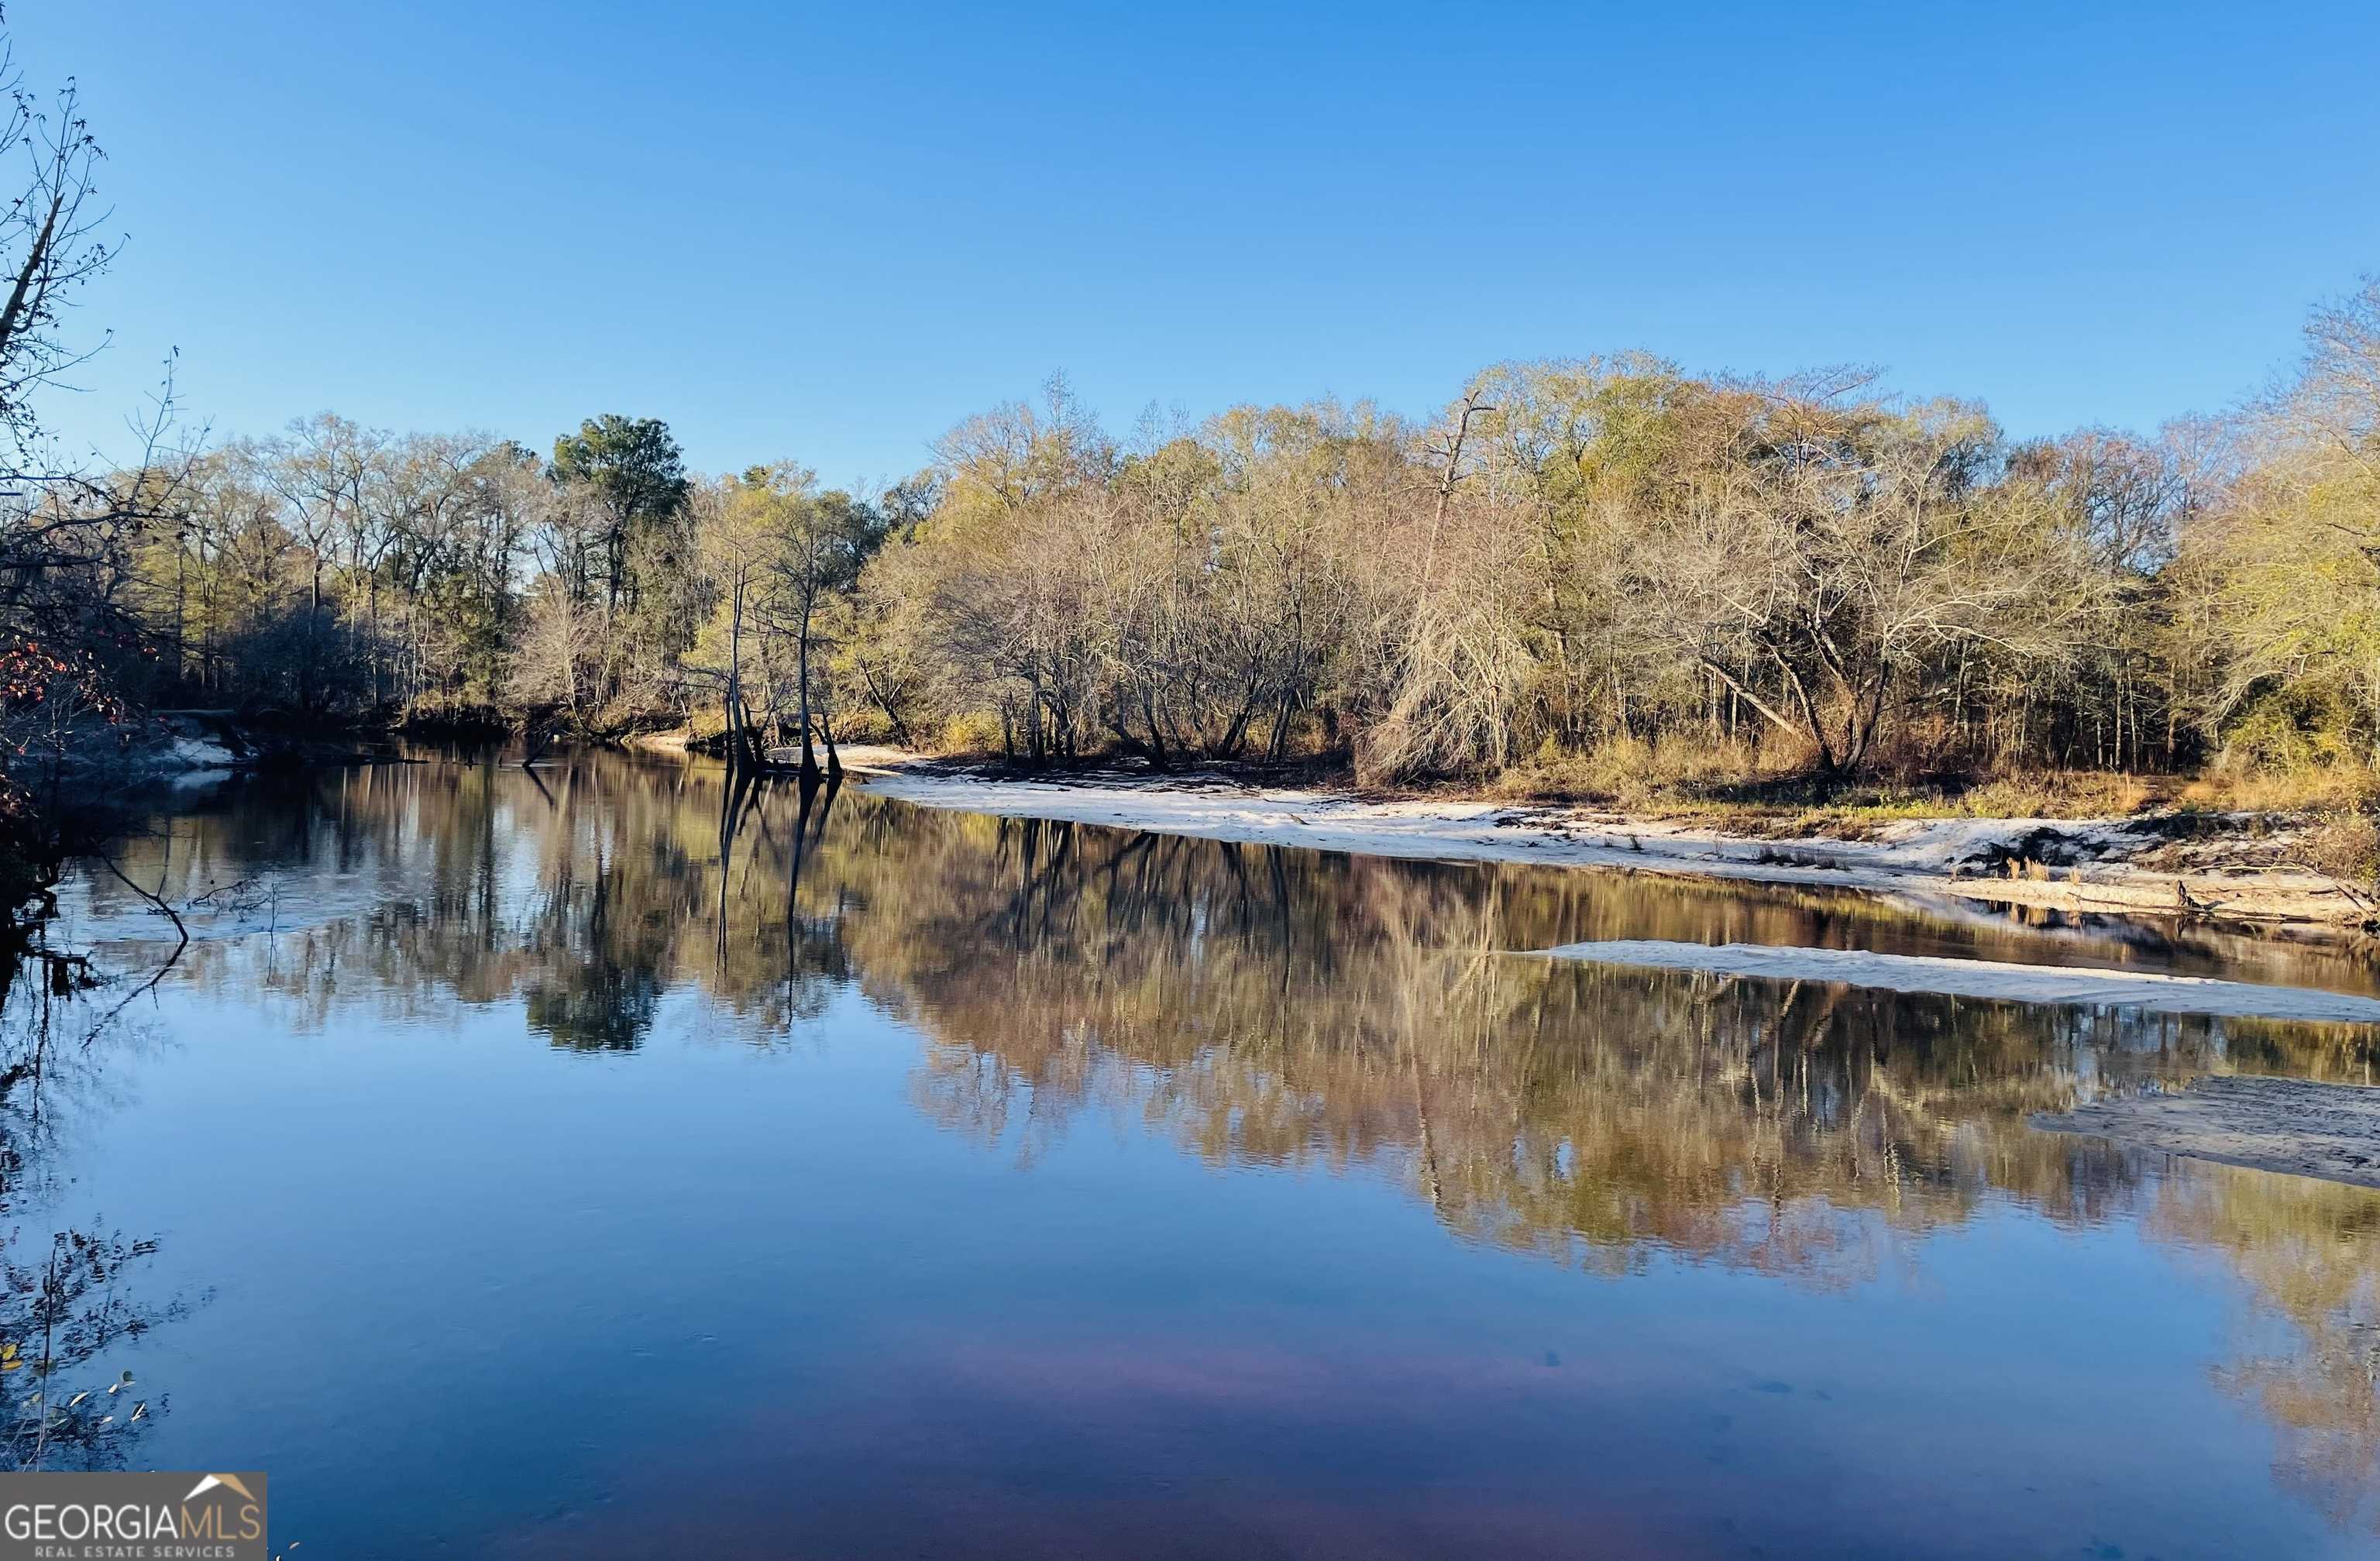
(830, 232)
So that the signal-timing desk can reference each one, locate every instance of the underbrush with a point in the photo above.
(2238, 789)
(1736, 783)
(456, 720)
(1633, 774)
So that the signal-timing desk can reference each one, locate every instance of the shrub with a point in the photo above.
(1631, 773)
(972, 733)
(2291, 731)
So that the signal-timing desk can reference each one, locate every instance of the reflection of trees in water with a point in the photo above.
(1285, 1007)
(610, 1010)
(586, 895)
(1279, 1008)
(1263, 1005)
(64, 1304)
(2308, 1350)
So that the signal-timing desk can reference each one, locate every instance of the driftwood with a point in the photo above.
(534, 742)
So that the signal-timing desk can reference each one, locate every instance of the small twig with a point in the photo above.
(170, 960)
(156, 900)
(232, 896)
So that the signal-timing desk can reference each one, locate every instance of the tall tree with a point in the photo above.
(633, 469)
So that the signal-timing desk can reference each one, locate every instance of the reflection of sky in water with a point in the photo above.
(996, 1245)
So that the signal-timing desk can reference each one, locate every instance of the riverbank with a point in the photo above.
(2221, 866)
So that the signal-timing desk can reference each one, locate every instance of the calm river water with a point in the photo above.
(591, 1164)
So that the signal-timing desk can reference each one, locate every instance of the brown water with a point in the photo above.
(592, 1163)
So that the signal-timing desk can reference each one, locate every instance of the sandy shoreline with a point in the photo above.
(2084, 864)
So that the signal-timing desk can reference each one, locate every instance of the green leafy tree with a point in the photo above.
(636, 473)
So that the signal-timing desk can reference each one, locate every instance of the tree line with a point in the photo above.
(1803, 572)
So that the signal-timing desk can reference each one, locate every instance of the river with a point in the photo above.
(595, 1162)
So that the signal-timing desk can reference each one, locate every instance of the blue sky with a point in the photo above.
(828, 233)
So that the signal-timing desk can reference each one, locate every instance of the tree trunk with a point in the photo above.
(735, 676)
(809, 758)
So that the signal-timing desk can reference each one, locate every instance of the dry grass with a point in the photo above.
(1762, 792)
(2324, 789)
(973, 735)
(1635, 775)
